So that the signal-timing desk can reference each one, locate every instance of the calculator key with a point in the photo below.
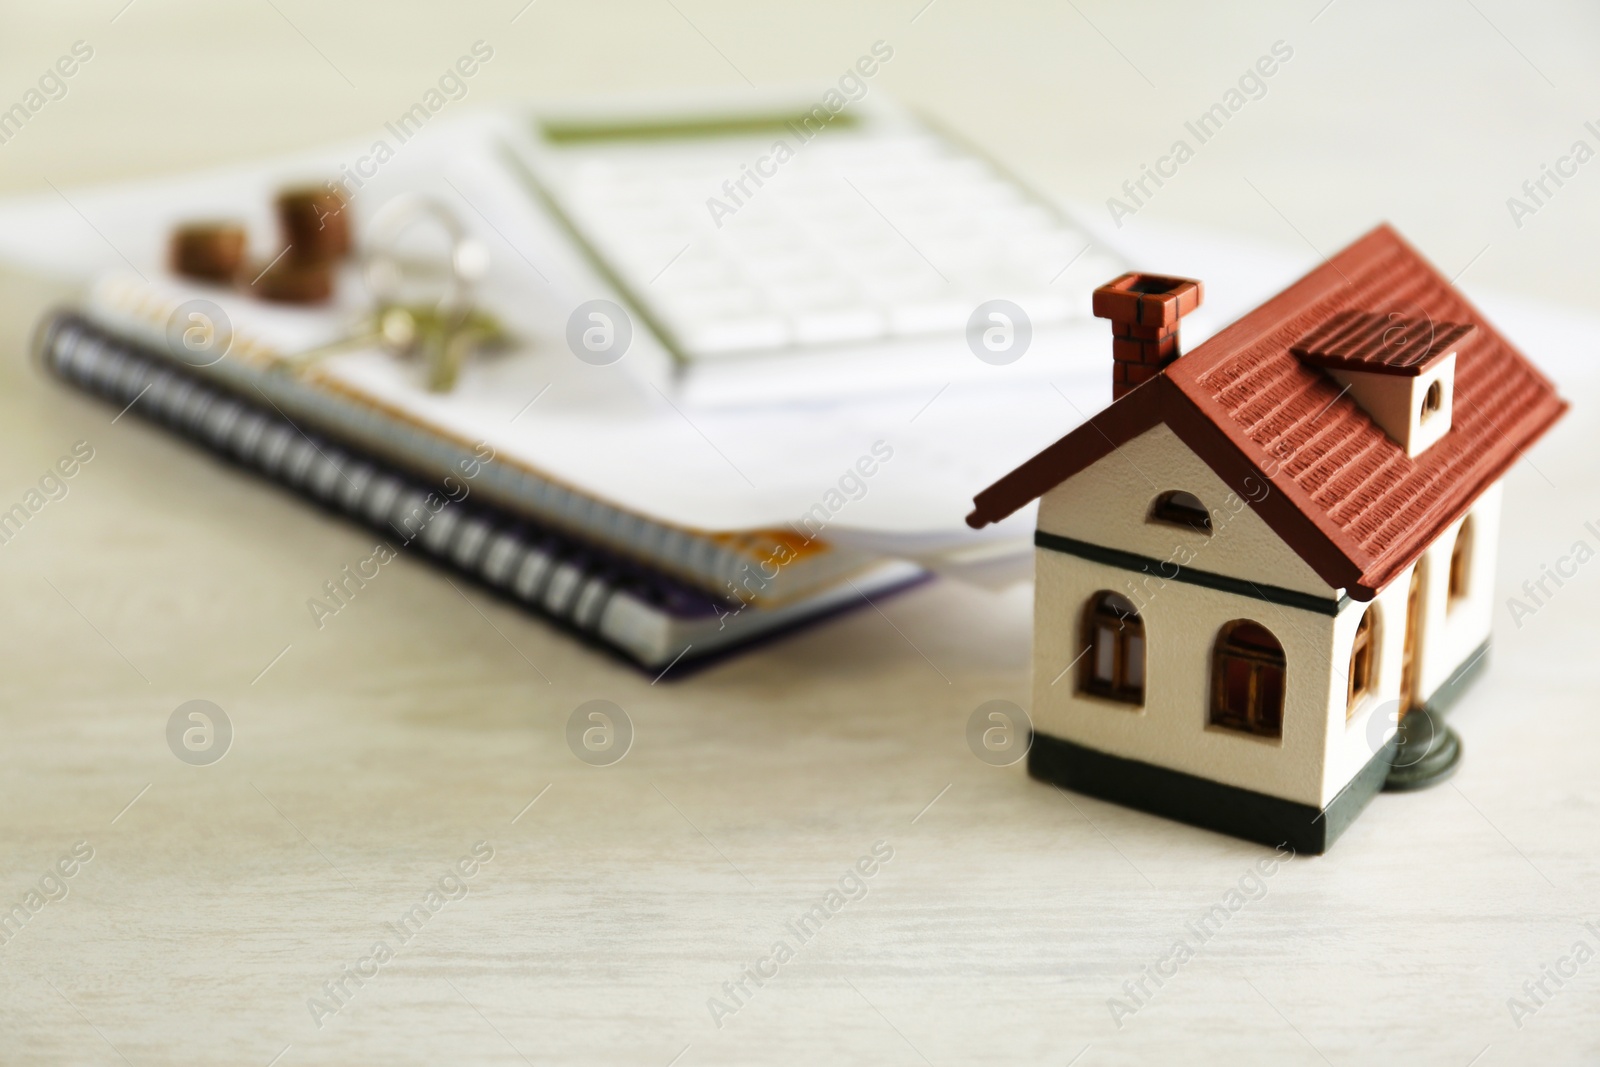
(724, 302)
(932, 316)
(754, 333)
(797, 268)
(814, 292)
(832, 325)
(900, 288)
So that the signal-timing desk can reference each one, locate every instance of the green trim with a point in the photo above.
(1132, 561)
(1202, 802)
(558, 131)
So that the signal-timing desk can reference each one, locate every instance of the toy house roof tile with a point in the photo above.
(1338, 489)
(1392, 343)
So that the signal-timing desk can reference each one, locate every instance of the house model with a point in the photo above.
(1265, 552)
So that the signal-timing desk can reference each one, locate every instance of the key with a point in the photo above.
(443, 340)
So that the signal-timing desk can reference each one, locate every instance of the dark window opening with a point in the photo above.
(1178, 508)
(1432, 401)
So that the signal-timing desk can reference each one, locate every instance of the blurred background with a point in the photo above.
(380, 749)
(1430, 115)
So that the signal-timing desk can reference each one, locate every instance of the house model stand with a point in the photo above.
(1264, 553)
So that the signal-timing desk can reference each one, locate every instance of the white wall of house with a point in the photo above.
(1171, 729)
(1322, 748)
(1452, 633)
(1106, 504)
(1353, 737)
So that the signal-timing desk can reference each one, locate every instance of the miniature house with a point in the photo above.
(1263, 552)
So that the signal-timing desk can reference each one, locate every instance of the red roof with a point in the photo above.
(1345, 496)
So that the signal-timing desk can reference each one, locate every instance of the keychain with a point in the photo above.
(444, 332)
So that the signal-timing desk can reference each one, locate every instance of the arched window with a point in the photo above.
(1363, 658)
(1460, 562)
(1247, 672)
(1178, 508)
(1432, 401)
(1113, 662)
(1411, 645)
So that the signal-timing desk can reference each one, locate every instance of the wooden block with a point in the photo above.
(315, 223)
(292, 280)
(208, 251)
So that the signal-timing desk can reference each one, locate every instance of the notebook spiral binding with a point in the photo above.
(587, 591)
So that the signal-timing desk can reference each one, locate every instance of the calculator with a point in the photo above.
(778, 251)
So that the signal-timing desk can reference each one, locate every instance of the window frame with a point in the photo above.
(1100, 615)
(1459, 581)
(1360, 683)
(1259, 662)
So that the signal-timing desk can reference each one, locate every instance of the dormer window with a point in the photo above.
(1432, 402)
(1179, 508)
(1400, 370)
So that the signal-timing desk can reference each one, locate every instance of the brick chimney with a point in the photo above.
(1144, 310)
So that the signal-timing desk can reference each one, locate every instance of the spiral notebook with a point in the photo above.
(657, 621)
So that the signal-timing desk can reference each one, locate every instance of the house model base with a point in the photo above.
(1204, 803)
(1266, 569)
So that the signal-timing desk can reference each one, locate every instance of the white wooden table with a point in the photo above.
(370, 756)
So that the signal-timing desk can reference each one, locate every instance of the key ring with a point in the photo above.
(388, 274)
(385, 269)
